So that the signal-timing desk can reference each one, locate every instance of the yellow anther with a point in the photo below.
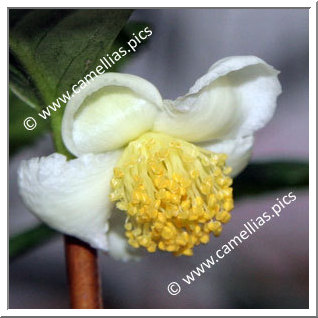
(227, 170)
(129, 234)
(137, 231)
(156, 204)
(122, 205)
(224, 217)
(133, 243)
(175, 198)
(175, 194)
(144, 198)
(152, 248)
(199, 201)
(219, 195)
(217, 228)
(188, 252)
(118, 173)
(185, 204)
(217, 172)
(174, 186)
(161, 182)
(208, 181)
(115, 182)
(228, 193)
(128, 226)
(211, 200)
(132, 210)
(228, 205)
(193, 216)
(158, 226)
(114, 196)
(205, 239)
(144, 241)
(220, 181)
(161, 218)
(184, 214)
(197, 229)
(205, 189)
(161, 246)
(229, 182)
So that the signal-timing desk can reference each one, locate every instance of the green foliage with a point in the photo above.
(18, 136)
(262, 177)
(57, 47)
(29, 239)
(22, 85)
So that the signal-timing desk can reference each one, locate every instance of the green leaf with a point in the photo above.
(21, 243)
(259, 178)
(18, 136)
(56, 48)
(17, 15)
(22, 86)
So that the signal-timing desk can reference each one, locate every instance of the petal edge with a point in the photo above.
(70, 196)
(235, 98)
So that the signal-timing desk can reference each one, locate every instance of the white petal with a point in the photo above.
(70, 196)
(118, 243)
(238, 150)
(111, 111)
(235, 98)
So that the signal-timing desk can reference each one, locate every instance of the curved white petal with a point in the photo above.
(235, 98)
(70, 196)
(238, 150)
(111, 111)
(118, 243)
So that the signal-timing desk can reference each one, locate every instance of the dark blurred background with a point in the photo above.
(270, 270)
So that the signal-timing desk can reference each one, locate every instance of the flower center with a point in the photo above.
(175, 193)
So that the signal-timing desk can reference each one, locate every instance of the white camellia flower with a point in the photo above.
(167, 164)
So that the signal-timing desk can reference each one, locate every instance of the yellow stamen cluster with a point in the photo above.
(175, 193)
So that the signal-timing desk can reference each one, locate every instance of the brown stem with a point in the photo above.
(83, 274)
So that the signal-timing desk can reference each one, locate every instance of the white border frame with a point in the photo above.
(312, 159)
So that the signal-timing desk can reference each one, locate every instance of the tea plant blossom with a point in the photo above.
(152, 174)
